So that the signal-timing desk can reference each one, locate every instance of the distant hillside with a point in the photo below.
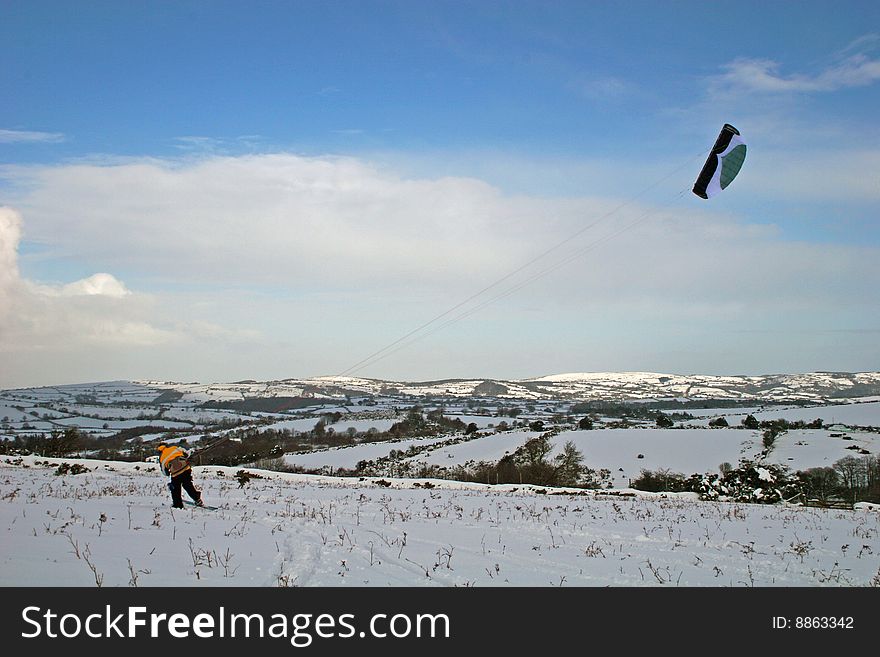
(265, 404)
(813, 387)
(623, 386)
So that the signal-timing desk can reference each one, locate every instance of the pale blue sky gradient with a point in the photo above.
(182, 146)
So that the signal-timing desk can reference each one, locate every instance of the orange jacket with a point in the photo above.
(173, 460)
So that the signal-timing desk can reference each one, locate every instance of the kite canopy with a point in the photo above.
(724, 162)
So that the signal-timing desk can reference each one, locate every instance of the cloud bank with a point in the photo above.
(275, 265)
(92, 310)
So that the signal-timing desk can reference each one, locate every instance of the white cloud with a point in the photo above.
(764, 76)
(96, 284)
(274, 220)
(341, 227)
(10, 234)
(96, 328)
(18, 136)
(278, 265)
(91, 310)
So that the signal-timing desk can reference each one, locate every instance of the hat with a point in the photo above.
(161, 446)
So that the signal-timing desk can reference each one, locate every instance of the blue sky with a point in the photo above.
(134, 78)
(274, 189)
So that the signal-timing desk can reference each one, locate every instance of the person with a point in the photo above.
(173, 461)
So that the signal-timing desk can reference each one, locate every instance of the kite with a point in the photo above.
(724, 162)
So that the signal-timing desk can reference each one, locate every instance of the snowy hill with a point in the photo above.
(815, 386)
(644, 385)
(149, 410)
(112, 526)
(109, 523)
(619, 386)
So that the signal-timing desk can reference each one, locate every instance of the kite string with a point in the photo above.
(390, 348)
(511, 290)
(497, 282)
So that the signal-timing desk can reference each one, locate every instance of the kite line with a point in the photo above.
(434, 324)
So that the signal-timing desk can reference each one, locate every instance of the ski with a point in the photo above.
(203, 506)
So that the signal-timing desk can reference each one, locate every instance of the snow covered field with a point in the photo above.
(863, 414)
(307, 424)
(113, 526)
(107, 408)
(801, 449)
(684, 451)
(624, 452)
(348, 457)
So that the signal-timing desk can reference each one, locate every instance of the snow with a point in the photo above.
(286, 529)
(628, 377)
(867, 414)
(380, 424)
(116, 425)
(733, 416)
(624, 452)
(482, 421)
(300, 424)
(863, 414)
(685, 451)
(763, 475)
(801, 449)
(300, 530)
(7, 412)
(202, 415)
(116, 411)
(490, 447)
(348, 457)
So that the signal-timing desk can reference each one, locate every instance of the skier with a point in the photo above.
(172, 460)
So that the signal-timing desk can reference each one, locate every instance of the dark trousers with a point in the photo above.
(185, 481)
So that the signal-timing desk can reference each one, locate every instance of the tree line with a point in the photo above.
(851, 479)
